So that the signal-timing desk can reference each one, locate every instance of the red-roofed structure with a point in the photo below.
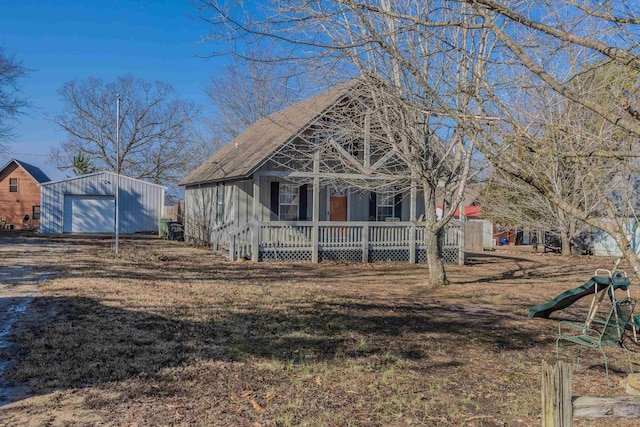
(470, 212)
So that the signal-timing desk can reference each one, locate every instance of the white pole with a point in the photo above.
(463, 222)
(117, 170)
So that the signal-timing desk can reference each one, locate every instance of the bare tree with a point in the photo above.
(11, 103)
(510, 203)
(246, 91)
(545, 46)
(373, 142)
(559, 127)
(201, 145)
(414, 78)
(594, 130)
(154, 127)
(520, 46)
(202, 206)
(534, 41)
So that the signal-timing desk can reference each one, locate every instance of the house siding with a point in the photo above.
(419, 204)
(265, 214)
(204, 214)
(200, 207)
(140, 204)
(404, 208)
(244, 201)
(359, 206)
(14, 206)
(324, 204)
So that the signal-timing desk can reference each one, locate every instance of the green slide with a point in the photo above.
(567, 298)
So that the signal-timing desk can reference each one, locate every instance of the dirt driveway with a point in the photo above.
(25, 262)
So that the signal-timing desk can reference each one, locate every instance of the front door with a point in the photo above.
(337, 205)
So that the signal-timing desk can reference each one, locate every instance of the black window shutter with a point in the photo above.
(373, 205)
(275, 199)
(397, 212)
(302, 208)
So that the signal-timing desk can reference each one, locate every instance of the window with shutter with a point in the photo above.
(289, 202)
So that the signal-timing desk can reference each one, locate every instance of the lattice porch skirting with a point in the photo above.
(450, 255)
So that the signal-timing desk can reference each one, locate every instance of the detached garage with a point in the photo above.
(87, 204)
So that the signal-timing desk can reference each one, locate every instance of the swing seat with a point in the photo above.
(600, 333)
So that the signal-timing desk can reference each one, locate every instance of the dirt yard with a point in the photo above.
(170, 334)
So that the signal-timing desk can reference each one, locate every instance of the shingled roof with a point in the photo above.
(35, 172)
(247, 152)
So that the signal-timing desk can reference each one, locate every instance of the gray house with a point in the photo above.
(86, 204)
(245, 201)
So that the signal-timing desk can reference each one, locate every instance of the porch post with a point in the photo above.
(365, 242)
(412, 243)
(255, 241)
(413, 218)
(315, 231)
(462, 223)
(413, 201)
(367, 142)
(256, 198)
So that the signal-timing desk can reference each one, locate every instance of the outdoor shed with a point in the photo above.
(86, 204)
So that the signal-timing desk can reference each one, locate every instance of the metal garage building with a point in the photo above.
(86, 204)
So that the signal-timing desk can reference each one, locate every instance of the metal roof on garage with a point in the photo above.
(101, 173)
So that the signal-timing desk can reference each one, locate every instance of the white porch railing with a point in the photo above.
(220, 235)
(340, 241)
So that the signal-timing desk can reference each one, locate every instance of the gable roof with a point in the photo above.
(249, 150)
(35, 172)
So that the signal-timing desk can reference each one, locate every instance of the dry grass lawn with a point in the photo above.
(170, 334)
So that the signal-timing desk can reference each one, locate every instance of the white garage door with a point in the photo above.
(89, 214)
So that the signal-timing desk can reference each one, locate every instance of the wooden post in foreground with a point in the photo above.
(557, 408)
(606, 407)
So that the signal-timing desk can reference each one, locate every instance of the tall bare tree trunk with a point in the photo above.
(437, 275)
(573, 226)
(566, 243)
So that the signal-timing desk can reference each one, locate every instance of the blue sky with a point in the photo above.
(62, 40)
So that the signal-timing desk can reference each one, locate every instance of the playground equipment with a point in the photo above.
(598, 286)
(594, 286)
(596, 333)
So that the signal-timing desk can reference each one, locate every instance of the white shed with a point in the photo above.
(605, 245)
(86, 204)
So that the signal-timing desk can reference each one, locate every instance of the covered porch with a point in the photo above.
(342, 241)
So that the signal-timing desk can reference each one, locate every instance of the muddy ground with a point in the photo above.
(170, 334)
